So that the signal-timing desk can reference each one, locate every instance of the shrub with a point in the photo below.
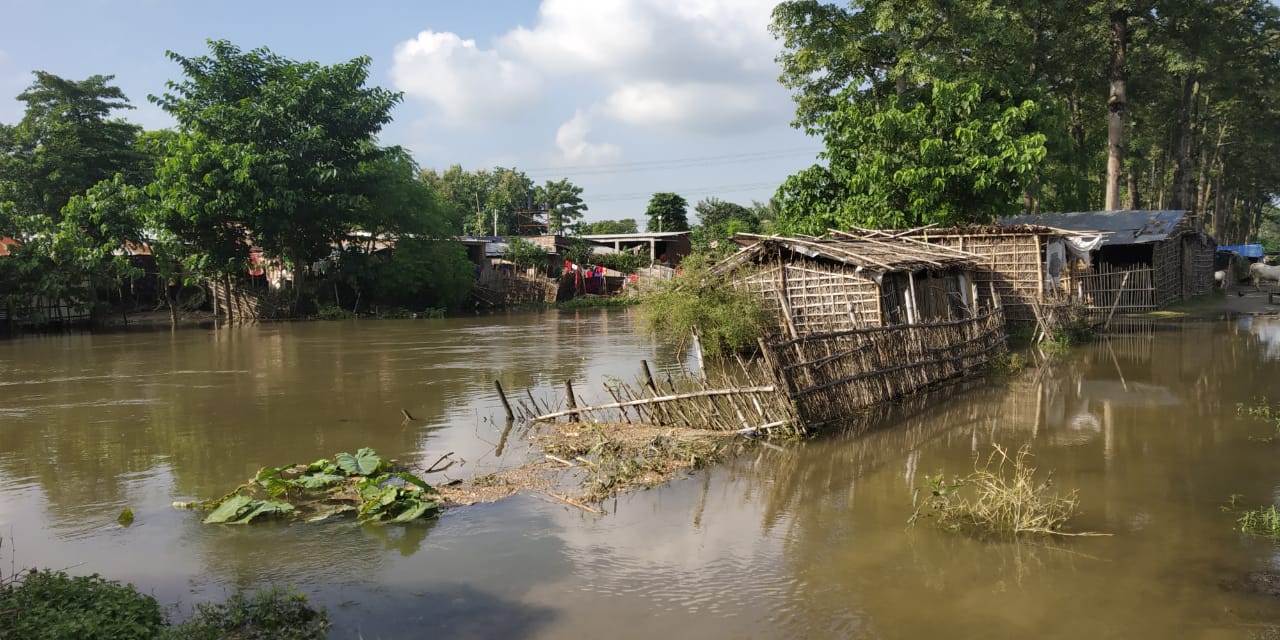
(51, 605)
(728, 320)
(269, 614)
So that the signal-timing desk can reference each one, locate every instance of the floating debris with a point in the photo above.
(363, 484)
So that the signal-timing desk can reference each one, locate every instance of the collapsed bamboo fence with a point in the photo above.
(830, 376)
(741, 399)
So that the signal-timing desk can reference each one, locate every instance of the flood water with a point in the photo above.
(808, 542)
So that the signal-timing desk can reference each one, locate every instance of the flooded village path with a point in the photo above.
(807, 542)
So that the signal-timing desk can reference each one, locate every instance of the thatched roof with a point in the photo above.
(979, 230)
(875, 255)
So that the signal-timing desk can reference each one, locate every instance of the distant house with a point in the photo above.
(1146, 260)
(665, 248)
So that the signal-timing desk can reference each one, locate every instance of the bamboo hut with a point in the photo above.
(1146, 260)
(1015, 262)
(864, 320)
(813, 285)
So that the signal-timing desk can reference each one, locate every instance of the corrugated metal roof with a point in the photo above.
(660, 235)
(1243, 250)
(1123, 227)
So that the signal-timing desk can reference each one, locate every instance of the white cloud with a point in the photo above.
(653, 66)
(468, 84)
(699, 107)
(571, 140)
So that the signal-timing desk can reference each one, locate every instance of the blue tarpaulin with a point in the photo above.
(1243, 250)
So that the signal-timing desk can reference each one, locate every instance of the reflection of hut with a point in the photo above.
(1147, 259)
(1017, 261)
(854, 282)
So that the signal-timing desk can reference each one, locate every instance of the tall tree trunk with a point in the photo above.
(1131, 177)
(1183, 171)
(1117, 103)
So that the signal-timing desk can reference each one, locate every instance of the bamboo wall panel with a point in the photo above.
(1014, 269)
(831, 375)
(1100, 288)
(822, 296)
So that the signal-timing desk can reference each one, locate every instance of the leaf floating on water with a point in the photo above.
(125, 518)
(229, 510)
(363, 484)
(365, 462)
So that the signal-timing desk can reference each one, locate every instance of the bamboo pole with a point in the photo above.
(1114, 303)
(568, 394)
(658, 400)
(503, 396)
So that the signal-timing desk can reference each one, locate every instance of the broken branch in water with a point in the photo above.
(574, 503)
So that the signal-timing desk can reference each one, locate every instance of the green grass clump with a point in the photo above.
(51, 605)
(1264, 521)
(275, 614)
(1002, 496)
(593, 302)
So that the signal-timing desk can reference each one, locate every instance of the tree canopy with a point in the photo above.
(1177, 95)
(667, 212)
(563, 203)
(269, 151)
(609, 227)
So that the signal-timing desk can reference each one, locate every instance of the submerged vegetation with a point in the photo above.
(1261, 409)
(1264, 521)
(727, 320)
(1002, 496)
(363, 484)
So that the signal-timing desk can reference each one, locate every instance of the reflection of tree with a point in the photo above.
(83, 412)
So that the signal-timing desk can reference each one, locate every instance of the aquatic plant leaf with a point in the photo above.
(415, 481)
(262, 508)
(323, 465)
(326, 511)
(315, 481)
(270, 472)
(126, 518)
(229, 509)
(416, 509)
(366, 461)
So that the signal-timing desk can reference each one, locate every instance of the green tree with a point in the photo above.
(486, 202)
(66, 142)
(667, 212)
(563, 203)
(269, 151)
(609, 227)
(716, 213)
(952, 157)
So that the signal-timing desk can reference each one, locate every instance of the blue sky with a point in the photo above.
(624, 98)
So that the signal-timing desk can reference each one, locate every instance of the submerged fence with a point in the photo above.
(830, 376)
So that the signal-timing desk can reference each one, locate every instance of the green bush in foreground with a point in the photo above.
(51, 605)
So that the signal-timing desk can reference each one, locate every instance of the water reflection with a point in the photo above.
(809, 541)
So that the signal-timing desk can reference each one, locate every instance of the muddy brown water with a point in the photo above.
(808, 542)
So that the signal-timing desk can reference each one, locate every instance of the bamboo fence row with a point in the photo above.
(741, 399)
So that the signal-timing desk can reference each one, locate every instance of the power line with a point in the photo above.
(674, 163)
(694, 191)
